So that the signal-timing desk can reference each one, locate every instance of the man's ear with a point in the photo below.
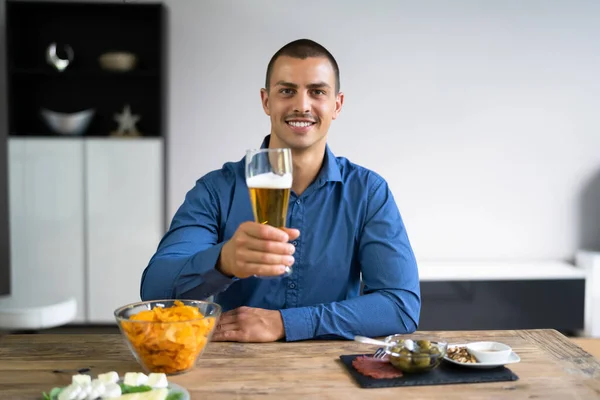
(339, 102)
(264, 98)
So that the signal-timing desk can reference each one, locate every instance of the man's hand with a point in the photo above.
(246, 324)
(257, 249)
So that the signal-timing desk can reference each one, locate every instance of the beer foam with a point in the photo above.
(270, 180)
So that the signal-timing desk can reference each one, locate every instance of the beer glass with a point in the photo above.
(269, 181)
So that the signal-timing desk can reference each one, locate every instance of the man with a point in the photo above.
(344, 224)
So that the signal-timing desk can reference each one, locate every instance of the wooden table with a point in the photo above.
(551, 367)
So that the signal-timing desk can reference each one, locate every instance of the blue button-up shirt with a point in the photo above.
(350, 229)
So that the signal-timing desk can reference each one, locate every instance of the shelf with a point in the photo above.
(47, 72)
(33, 84)
(85, 136)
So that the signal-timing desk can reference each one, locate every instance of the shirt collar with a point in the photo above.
(330, 170)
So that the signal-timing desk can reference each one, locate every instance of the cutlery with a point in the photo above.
(409, 344)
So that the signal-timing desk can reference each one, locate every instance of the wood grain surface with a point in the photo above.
(551, 367)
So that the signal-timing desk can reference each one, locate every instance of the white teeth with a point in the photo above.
(300, 124)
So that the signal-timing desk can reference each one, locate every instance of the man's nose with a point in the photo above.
(302, 104)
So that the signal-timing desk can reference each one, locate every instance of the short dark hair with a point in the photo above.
(303, 49)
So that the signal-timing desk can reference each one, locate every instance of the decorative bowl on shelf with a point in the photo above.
(118, 61)
(68, 123)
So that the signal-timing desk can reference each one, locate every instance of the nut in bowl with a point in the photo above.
(168, 336)
(418, 355)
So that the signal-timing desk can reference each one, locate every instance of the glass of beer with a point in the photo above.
(269, 180)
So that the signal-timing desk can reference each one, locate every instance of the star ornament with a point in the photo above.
(126, 121)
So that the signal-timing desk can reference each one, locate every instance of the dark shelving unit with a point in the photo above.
(90, 29)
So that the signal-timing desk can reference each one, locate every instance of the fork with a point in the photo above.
(379, 353)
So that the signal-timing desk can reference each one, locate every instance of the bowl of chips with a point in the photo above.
(168, 336)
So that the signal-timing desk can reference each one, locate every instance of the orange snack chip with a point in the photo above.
(169, 339)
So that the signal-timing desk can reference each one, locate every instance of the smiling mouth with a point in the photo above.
(300, 124)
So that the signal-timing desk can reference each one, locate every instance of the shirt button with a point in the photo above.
(295, 243)
(298, 201)
(292, 285)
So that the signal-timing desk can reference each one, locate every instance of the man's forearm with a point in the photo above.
(175, 276)
(221, 265)
(376, 314)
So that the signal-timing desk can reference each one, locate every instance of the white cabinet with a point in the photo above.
(46, 222)
(124, 214)
(86, 215)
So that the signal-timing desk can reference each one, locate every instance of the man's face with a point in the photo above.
(301, 101)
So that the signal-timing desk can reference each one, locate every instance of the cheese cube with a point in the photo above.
(97, 384)
(135, 379)
(111, 390)
(81, 379)
(86, 389)
(109, 377)
(93, 395)
(157, 380)
(97, 390)
(71, 392)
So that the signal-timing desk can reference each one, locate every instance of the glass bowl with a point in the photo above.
(168, 336)
(426, 355)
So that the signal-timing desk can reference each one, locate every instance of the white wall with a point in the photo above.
(484, 116)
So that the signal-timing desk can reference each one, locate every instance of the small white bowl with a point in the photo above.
(489, 352)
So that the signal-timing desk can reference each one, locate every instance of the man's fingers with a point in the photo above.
(265, 232)
(270, 246)
(257, 257)
(228, 336)
(227, 319)
(265, 269)
(227, 327)
(261, 250)
(231, 315)
(293, 234)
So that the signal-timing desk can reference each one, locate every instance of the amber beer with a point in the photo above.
(269, 195)
(269, 181)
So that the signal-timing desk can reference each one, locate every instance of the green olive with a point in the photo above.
(421, 361)
(424, 344)
(401, 363)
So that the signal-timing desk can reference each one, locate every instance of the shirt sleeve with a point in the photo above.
(392, 299)
(184, 263)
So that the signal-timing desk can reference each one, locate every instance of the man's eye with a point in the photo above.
(286, 91)
(319, 92)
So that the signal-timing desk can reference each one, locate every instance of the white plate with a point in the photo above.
(173, 387)
(513, 358)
